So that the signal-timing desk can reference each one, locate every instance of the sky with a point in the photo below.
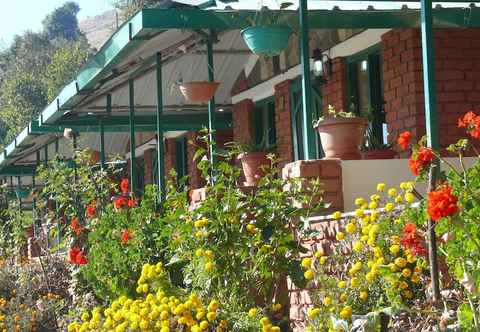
(18, 16)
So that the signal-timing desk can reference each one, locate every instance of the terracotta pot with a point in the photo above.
(198, 92)
(252, 163)
(379, 154)
(342, 137)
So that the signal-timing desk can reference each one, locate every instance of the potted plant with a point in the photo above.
(198, 92)
(341, 134)
(266, 36)
(253, 157)
(373, 146)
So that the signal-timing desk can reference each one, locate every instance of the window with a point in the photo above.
(264, 122)
(365, 87)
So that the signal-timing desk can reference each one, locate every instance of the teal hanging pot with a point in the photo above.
(267, 40)
(22, 192)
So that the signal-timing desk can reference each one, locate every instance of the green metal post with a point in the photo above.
(431, 117)
(160, 146)
(102, 144)
(109, 104)
(45, 162)
(211, 103)
(19, 185)
(34, 203)
(133, 171)
(307, 104)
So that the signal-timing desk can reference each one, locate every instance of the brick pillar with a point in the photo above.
(170, 155)
(328, 171)
(334, 91)
(283, 122)
(242, 121)
(457, 77)
(148, 166)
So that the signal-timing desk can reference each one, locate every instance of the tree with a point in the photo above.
(62, 22)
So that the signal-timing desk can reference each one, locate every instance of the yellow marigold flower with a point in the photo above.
(343, 297)
(306, 262)
(364, 238)
(374, 215)
(392, 192)
(357, 246)
(359, 213)
(211, 316)
(394, 249)
(372, 205)
(346, 312)
(370, 276)
(400, 262)
(264, 321)
(309, 274)
(323, 260)
(252, 313)
(389, 207)
(375, 197)
(409, 198)
(209, 266)
(350, 228)
(276, 307)
(393, 267)
(403, 285)
(340, 236)
(327, 301)
(354, 282)
(406, 272)
(381, 187)
(320, 252)
(371, 241)
(399, 199)
(313, 313)
(395, 239)
(337, 215)
(411, 258)
(342, 284)
(204, 325)
(359, 201)
(363, 295)
(415, 279)
(251, 228)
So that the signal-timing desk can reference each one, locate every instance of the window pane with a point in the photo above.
(363, 87)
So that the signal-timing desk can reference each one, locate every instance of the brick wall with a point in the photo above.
(170, 155)
(334, 91)
(148, 165)
(457, 76)
(283, 122)
(243, 130)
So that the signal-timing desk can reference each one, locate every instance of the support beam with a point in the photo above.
(211, 104)
(160, 143)
(102, 144)
(133, 168)
(45, 148)
(307, 109)
(431, 118)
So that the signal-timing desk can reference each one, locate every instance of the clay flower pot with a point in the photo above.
(198, 92)
(252, 163)
(342, 137)
(378, 154)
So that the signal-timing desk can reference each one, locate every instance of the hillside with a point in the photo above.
(99, 28)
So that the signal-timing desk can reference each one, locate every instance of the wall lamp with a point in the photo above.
(322, 65)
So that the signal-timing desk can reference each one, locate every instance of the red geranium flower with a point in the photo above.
(125, 236)
(76, 226)
(471, 122)
(404, 139)
(91, 210)
(412, 240)
(442, 203)
(120, 202)
(77, 257)
(421, 160)
(132, 203)
(124, 186)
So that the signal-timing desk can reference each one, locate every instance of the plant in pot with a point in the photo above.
(254, 158)
(197, 92)
(266, 35)
(373, 145)
(341, 134)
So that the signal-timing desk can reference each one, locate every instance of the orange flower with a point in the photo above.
(132, 203)
(442, 203)
(125, 236)
(91, 210)
(76, 226)
(471, 122)
(421, 160)
(404, 139)
(120, 202)
(124, 186)
(77, 257)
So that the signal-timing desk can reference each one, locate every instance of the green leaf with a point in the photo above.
(465, 317)
(296, 274)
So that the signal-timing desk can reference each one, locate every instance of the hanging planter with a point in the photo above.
(198, 92)
(267, 40)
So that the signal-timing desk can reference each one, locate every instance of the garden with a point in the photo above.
(112, 260)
